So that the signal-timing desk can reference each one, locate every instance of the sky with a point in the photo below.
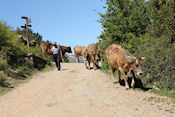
(68, 22)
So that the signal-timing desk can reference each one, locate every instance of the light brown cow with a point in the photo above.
(78, 52)
(120, 59)
(93, 53)
(86, 58)
(32, 43)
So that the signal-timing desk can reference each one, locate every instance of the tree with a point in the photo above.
(123, 17)
(159, 46)
(162, 15)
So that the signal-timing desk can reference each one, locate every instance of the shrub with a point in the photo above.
(13, 53)
(159, 65)
(23, 71)
(3, 77)
(3, 63)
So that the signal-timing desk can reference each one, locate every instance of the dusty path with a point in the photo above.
(77, 92)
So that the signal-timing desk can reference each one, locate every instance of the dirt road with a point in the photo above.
(77, 92)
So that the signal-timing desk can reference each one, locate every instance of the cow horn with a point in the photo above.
(129, 57)
(142, 58)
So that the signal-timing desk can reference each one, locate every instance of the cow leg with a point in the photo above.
(119, 76)
(125, 78)
(86, 64)
(133, 79)
(94, 64)
(62, 56)
(113, 71)
(89, 62)
(77, 58)
(62, 59)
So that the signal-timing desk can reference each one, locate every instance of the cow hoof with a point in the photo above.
(115, 82)
(132, 86)
(88, 68)
(127, 88)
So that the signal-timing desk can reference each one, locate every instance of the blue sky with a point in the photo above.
(68, 22)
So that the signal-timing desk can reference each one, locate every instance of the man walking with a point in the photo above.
(56, 50)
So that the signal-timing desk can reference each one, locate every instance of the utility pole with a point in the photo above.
(28, 20)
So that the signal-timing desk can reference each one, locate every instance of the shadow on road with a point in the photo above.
(138, 84)
(64, 69)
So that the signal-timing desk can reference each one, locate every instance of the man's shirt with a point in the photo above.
(56, 50)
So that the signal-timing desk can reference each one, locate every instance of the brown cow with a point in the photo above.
(65, 49)
(78, 52)
(120, 59)
(46, 46)
(93, 54)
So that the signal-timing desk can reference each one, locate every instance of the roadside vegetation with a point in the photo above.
(15, 66)
(145, 29)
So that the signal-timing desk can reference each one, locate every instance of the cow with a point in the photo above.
(120, 59)
(93, 54)
(46, 48)
(32, 43)
(86, 57)
(65, 49)
(22, 39)
(78, 52)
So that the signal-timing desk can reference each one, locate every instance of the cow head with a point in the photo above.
(137, 65)
(94, 55)
(69, 50)
(32, 43)
(23, 40)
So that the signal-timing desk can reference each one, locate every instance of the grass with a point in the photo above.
(164, 93)
(17, 81)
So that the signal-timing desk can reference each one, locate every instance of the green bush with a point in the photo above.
(159, 65)
(3, 77)
(23, 71)
(3, 63)
(13, 53)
